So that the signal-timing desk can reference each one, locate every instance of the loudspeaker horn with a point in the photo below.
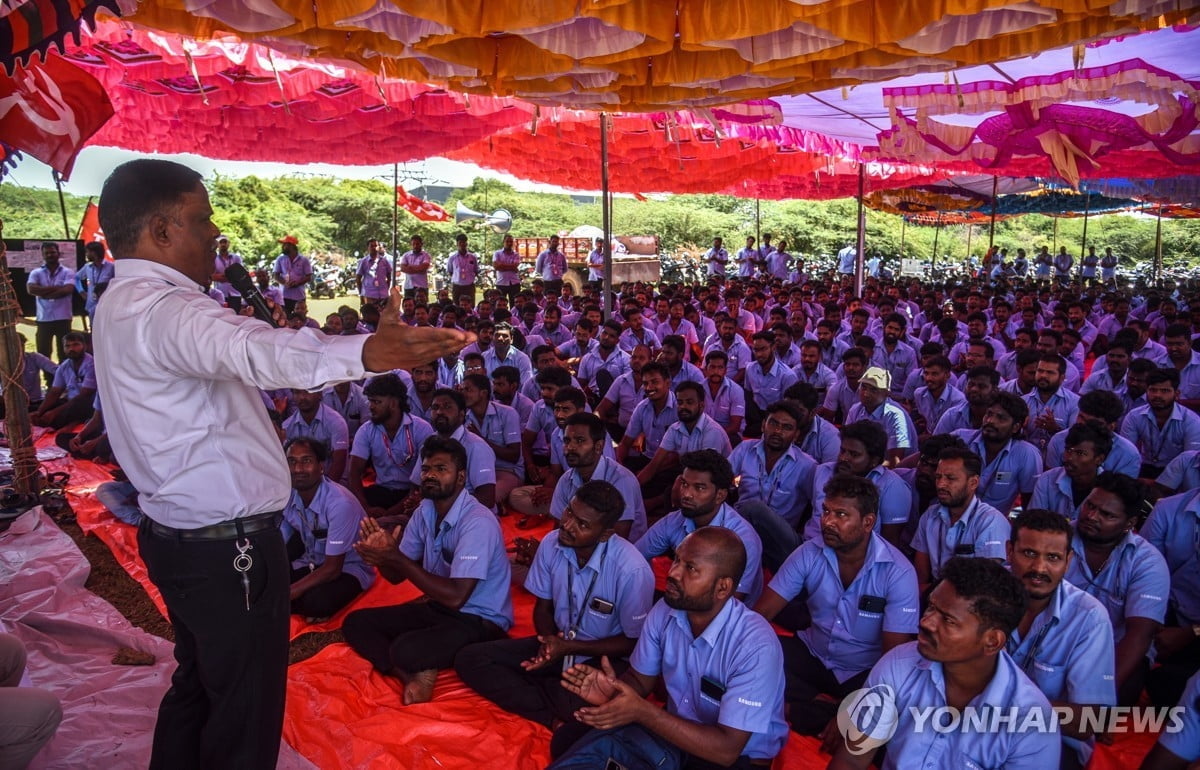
(462, 214)
(500, 221)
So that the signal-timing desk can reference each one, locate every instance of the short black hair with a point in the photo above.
(480, 381)
(590, 421)
(972, 462)
(692, 386)
(1042, 520)
(572, 395)
(453, 395)
(1127, 489)
(862, 491)
(437, 444)
(870, 434)
(1100, 436)
(1012, 405)
(316, 446)
(803, 394)
(508, 373)
(656, 367)
(786, 406)
(604, 499)
(1164, 374)
(996, 595)
(711, 462)
(559, 378)
(388, 386)
(138, 190)
(674, 342)
(989, 372)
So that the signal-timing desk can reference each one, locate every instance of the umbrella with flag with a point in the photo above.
(421, 209)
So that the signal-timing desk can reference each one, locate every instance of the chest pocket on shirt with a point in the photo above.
(708, 706)
(868, 618)
(1047, 674)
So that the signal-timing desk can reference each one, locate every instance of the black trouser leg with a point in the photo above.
(493, 669)
(49, 338)
(327, 599)
(417, 636)
(806, 678)
(225, 705)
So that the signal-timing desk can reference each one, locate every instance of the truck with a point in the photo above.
(635, 258)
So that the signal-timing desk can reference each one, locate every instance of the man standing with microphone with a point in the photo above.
(179, 376)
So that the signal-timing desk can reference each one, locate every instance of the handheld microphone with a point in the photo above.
(240, 280)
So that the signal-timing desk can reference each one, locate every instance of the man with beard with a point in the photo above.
(725, 400)
(73, 393)
(959, 660)
(725, 710)
(502, 353)
(1111, 376)
(1063, 490)
(674, 357)
(593, 592)
(811, 371)
(452, 550)
(776, 477)
(842, 395)
(650, 419)
(551, 330)
(733, 346)
(449, 412)
(919, 471)
(896, 355)
(1051, 406)
(1064, 641)
(1178, 340)
(617, 405)
(636, 334)
(1162, 429)
(323, 516)
(584, 450)
(1010, 465)
(1136, 382)
(937, 397)
(982, 382)
(500, 427)
(52, 286)
(766, 379)
(389, 442)
(1126, 573)
(1100, 409)
(693, 431)
(875, 404)
(816, 436)
(861, 593)
(600, 367)
(831, 347)
(424, 383)
(568, 402)
(292, 271)
(863, 446)
(960, 524)
(703, 488)
(313, 419)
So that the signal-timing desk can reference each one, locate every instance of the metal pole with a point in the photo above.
(992, 229)
(757, 220)
(903, 225)
(937, 231)
(970, 231)
(1158, 262)
(861, 243)
(1054, 248)
(606, 299)
(395, 221)
(62, 203)
(1087, 205)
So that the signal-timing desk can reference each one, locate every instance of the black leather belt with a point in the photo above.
(226, 530)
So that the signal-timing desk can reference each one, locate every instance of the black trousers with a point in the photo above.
(326, 599)
(805, 678)
(510, 293)
(383, 497)
(416, 636)
(493, 669)
(225, 705)
(553, 288)
(49, 337)
(462, 290)
(289, 305)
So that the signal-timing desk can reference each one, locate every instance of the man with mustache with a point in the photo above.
(1064, 489)
(1010, 465)
(1063, 642)
(861, 593)
(453, 551)
(587, 453)
(724, 708)
(449, 412)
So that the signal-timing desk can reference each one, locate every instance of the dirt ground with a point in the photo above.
(111, 582)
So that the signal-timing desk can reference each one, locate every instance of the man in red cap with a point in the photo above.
(292, 271)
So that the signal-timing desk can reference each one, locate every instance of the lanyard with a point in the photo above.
(1036, 646)
(577, 618)
(960, 526)
(387, 444)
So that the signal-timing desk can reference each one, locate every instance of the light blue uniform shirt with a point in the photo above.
(980, 532)
(328, 527)
(625, 397)
(492, 361)
(767, 387)
(729, 402)
(52, 308)
(1013, 470)
(558, 454)
(1065, 406)
(467, 543)
(740, 355)
(1174, 529)
(327, 426)
(93, 275)
(920, 683)
(688, 372)
(614, 473)
(616, 364)
(901, 432)
(653, 426)
(481, 460)
(738, 652)
(821, 379)
(73, 380)
(707, 434)
(841, 397)
(1189, 378)
(1159, 447)
(895, 498)
(1185, 743)
(669, 531)
(616, 573)
(1069, 654)
(1123, 458)
(952, 401)
(393, 457)
(785, 489)
(846, 636)
(1134, 583)
(1182, 473)
(501, 425)
(1052, 491)
(953, 420)
(899, 363)
(823, 442)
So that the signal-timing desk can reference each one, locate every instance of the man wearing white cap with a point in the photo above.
(875, 405)
(292, 271)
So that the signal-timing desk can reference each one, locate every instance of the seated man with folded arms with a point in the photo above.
(452, 550)
(593, 591)
(389, 441)
(960, 524)
(862, 595)
(71, 397)
(724, 706)
(323, 516)
(1064, 640)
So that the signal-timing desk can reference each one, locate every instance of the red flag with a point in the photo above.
(50, 109)
(639, 196)
(89, 229)
(422, 210)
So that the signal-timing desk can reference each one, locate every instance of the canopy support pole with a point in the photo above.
(1087, 205)
(860, 245)
(1158, 261)
(903, 226)
(937, 231)
(1054, 248)
(757, 220)
(970, 232)
(395, 222)
(992, 227)
(606, 211)
(62, 204)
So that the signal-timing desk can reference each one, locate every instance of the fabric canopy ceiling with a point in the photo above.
(648, 55)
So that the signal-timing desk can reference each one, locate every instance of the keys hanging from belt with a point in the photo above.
(242, 563)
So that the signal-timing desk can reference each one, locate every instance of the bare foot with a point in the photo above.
(419, 687)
